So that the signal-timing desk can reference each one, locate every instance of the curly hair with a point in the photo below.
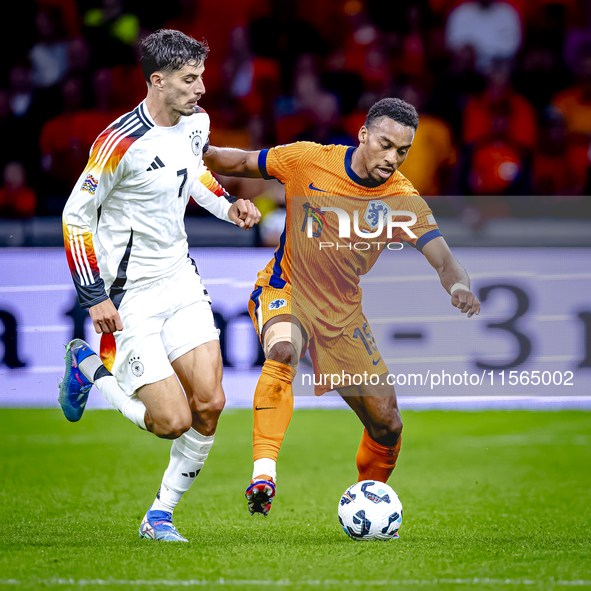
(168, 50)
(396, 109)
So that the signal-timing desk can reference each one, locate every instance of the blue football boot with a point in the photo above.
(74, 388)
(157, 525)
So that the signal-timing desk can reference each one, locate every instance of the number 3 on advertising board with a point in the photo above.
(523, 342)
(509, 325)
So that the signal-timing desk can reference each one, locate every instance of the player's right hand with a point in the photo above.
(105, 317)
(244, 214)
(466, 301)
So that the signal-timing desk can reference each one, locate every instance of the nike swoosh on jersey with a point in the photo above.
(311, 186)
(376, 362)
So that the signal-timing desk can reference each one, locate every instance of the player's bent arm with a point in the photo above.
(452, 275)
(233, 162)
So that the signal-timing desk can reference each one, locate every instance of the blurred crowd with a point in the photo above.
(503, 89)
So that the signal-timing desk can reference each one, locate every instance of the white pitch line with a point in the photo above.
(340, 583)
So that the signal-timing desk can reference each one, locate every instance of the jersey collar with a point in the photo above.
(146, 118)
(145, 114)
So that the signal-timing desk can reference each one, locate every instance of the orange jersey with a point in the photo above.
(324, 280)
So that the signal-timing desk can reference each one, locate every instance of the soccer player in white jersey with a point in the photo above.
(128, 253)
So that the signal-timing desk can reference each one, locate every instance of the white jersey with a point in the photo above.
(124, 221)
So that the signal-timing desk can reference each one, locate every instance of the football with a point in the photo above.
(370, 510)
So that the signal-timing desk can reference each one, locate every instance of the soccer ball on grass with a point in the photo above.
(370, 510)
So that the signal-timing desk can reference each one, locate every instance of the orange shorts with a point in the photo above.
(352, 352)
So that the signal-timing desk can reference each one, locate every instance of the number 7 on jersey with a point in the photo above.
(184, 174)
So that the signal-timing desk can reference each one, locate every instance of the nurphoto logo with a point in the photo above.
(377, 216)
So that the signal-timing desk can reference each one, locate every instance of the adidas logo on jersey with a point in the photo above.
(156, 164)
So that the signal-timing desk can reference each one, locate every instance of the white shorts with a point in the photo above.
(161, 322)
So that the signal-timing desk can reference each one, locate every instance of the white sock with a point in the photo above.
(89, 366)
(187, 456)
(265, 466)
(132, 409)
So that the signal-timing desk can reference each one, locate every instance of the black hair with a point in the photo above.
(168, 50)
(396, 109)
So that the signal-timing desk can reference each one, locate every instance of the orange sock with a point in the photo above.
(273, 407)
(376, 461)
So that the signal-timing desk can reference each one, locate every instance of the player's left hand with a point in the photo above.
(244, 214)
(466, 301)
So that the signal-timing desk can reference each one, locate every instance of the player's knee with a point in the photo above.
(215, 406)
(282, 352)
(173, 426)
(388, 430)
(171, 431)
(206, 413)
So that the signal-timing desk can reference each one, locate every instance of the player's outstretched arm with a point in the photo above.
(453, 276)
(233, 162)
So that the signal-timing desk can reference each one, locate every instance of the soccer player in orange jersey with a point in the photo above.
(308, 296)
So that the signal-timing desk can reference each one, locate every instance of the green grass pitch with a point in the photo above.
(491, 500)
